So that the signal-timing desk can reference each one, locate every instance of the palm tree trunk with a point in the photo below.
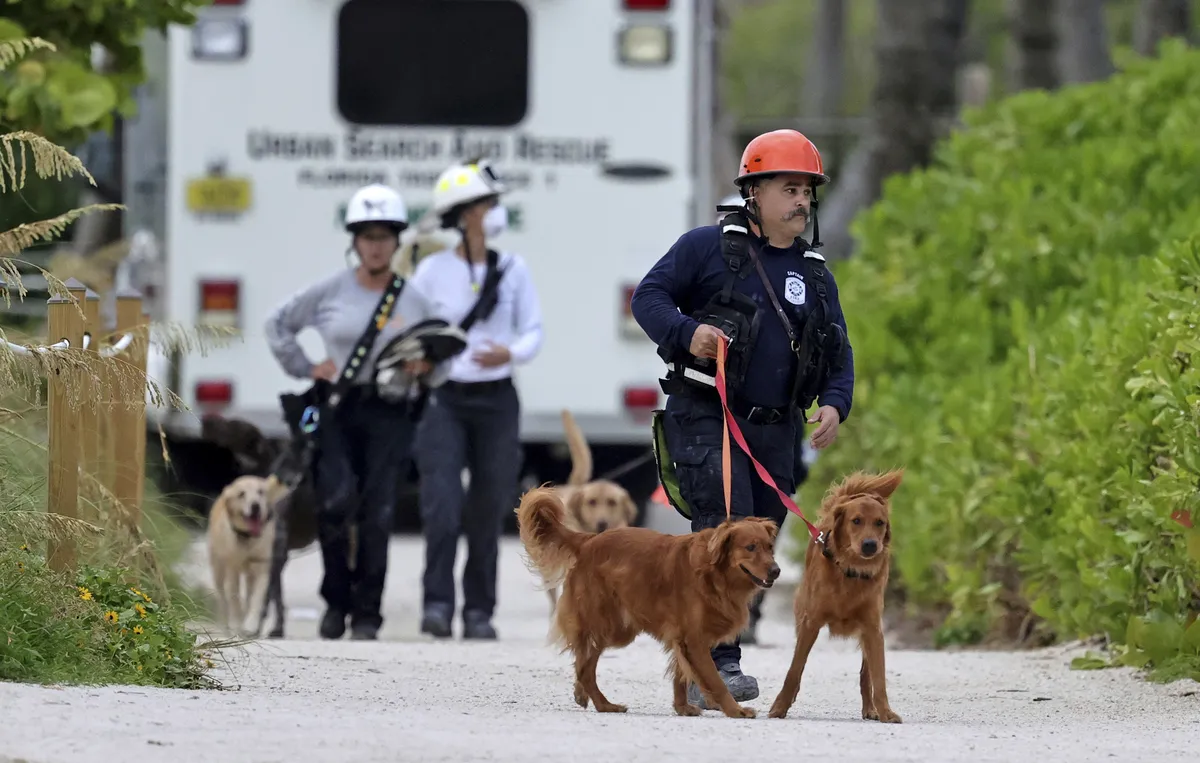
(1159, 19)
(1083, 55)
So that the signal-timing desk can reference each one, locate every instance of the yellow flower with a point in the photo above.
(111, 616)
(169, 654)
(24, 547)
(85, 594)
(145, 598)
(140, 610)
(209, 663)
(137, 630)
(139, 667)
(20, 566)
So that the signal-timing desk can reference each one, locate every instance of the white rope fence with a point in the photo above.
(117, 348)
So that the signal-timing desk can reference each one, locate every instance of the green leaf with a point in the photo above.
(1090, 662)
(1191, 639)
(1193, 545)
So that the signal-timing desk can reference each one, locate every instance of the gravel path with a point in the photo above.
(407, 698)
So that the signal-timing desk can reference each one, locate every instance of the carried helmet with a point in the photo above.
(464, 184)
(781, 151)
(376, 204)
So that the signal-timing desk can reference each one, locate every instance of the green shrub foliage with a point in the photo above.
(1024, 314)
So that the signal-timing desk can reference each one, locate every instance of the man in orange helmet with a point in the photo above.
(752, 281)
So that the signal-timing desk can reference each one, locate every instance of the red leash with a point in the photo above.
(731, 425)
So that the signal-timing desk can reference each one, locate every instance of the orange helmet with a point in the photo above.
(781, 151)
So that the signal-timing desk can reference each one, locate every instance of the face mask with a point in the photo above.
(495, 221)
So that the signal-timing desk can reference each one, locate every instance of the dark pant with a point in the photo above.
(693, 428)
(361, 447)
(473, 426)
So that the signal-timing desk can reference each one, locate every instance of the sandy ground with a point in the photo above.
(409, 698)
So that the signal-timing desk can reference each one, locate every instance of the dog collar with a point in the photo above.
(242, 534)
(849, 572)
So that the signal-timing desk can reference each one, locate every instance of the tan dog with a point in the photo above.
(592, 506)
(843, 587)
(241, 534)
(688, 592)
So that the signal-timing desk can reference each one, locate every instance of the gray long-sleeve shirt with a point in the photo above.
(339, 308)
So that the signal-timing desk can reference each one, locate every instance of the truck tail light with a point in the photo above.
(640, 399)
(214, 393)
(219, 303)
(220, 39)
(628, 326)
(644, 45)
(646, 5)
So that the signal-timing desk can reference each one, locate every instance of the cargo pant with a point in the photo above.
(692, 425)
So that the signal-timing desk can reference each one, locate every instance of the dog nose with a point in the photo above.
(870, 546)
(601, 526)
(255, 510)
(773, 573)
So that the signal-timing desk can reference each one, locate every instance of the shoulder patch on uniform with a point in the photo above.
(814, 256)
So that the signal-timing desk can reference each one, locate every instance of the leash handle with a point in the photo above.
(730, 426)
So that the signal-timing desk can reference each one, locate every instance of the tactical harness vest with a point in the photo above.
(820, 345)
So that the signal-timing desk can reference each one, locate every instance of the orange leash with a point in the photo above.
(730, 425)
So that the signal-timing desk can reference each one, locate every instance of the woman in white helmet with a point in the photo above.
(360, 446)
(472, 421)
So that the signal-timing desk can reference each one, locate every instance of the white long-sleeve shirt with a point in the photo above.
(446, 281)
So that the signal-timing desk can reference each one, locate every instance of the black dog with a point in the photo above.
(297, 511)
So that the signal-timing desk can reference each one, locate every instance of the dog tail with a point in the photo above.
(581, 454)
(551, 547)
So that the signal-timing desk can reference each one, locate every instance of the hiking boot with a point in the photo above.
(477, 625)
(333, 624)
(436, 624)
(743, 687)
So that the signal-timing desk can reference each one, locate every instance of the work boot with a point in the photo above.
(333, 624)
(743, 687)
(436, 623)
(477, 625)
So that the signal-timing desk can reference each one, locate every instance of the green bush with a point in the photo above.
(1020, 312)
(121, 618)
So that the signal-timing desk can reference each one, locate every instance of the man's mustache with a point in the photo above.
(799, 211)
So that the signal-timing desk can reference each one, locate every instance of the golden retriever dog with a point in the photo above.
(241, 537)
(688, 592)
(592, 505)
(843, 587)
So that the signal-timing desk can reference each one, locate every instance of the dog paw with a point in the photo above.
(581, 697)
(688, 710)
(887, 716)
(611, 708)
(746, 712)
(778, 711)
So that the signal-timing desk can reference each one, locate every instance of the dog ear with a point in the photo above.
(839, 522)
(574, 504)
(718, 544)
(884, 484)
(631, 509)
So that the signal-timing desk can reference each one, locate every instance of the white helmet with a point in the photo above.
(463, 184)
(376, 204)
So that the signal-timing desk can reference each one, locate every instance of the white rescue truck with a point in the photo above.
(593, 112)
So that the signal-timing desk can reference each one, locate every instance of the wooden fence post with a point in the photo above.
(89, 416)
(62, 480)
(129, 421)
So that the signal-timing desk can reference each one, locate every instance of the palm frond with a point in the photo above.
(14, 50)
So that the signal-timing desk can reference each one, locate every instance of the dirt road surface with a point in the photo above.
(407, 698)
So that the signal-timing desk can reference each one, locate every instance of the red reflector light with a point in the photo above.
(219, 295)
(641, 397)
(627, 299)
(647, 5)
(214, 392)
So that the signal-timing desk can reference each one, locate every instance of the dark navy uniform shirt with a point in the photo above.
(692, 271)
